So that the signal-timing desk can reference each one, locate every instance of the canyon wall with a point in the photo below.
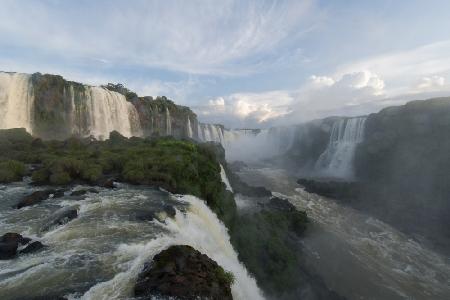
(50, 107)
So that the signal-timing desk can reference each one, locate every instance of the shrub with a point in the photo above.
(224, 276)
(11, 170)
(60, 178)
(91, 173)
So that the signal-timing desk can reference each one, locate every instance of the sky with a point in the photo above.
(241, 63)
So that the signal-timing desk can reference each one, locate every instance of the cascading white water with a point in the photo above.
(189, 128)
(337, 159)
(211, 133)
(109, 111)
(168, 122)
(201, 135)
(16, 101)
(99, 254)
(200, 228)
(225, 180)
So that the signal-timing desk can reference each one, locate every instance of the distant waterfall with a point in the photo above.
(211, 133)
(337, 159)
(168, 122)
(109, 111)
(189, 128)
(225, 180)
(16, 101)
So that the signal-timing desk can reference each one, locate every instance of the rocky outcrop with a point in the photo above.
(9, 244)
(38, 196)
(60, 217)
(341, 190)
(183, 273)
(404, 164)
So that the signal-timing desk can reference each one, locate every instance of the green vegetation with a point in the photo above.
(178, 166)
(265, 240)
(11, 170)
(223, 276)
(266, 244)
(120, 88)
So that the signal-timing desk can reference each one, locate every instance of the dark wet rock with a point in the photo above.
(35, 198)
(280, 204)
(12, 237)
(84, 192)
(341, 190)
(184, 273)
(150, 215)
(33, 247)
(170, 211)
(61, 217)
(48, 297)
(59, 193)
(8, 250)
(107, 183)
(145, 215)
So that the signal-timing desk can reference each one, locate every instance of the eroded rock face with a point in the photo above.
(185, 273)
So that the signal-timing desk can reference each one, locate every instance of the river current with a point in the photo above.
(99, 254)
(359, 256)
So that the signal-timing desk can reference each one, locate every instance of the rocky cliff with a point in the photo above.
(50, 107)
(404, 164)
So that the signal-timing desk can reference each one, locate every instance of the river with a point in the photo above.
(99, 254)
(357, 255)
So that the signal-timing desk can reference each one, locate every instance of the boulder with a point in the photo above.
(8, 250)
(280, 204)
(183, 273)
(37, 197)
(61, 217)
(33, 247)
(84, 192)
(12, 237)
(150, 215)
(106, 183)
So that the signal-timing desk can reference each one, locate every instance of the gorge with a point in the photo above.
(324, 209)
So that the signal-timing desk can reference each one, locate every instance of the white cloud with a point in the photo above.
(432, 82)
(321, 96)
(198, 36)
(404, 68)
(246, 109)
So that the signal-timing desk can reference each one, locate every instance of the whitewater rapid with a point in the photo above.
(359, 256)
(99, 254)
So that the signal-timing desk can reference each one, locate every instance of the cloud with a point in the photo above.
(246, 109)
(198, 36)
(432, 82)
(402, 69)
(319, 97)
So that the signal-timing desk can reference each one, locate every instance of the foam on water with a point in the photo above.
(99, 254)
(199, 228)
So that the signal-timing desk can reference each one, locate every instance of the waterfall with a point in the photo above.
(225, 180)
(189, 128)
(198, 227)
(109, 111)
(211, 133)
(201, 135)
(168, 122)
(16, 101)
(337, 159)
